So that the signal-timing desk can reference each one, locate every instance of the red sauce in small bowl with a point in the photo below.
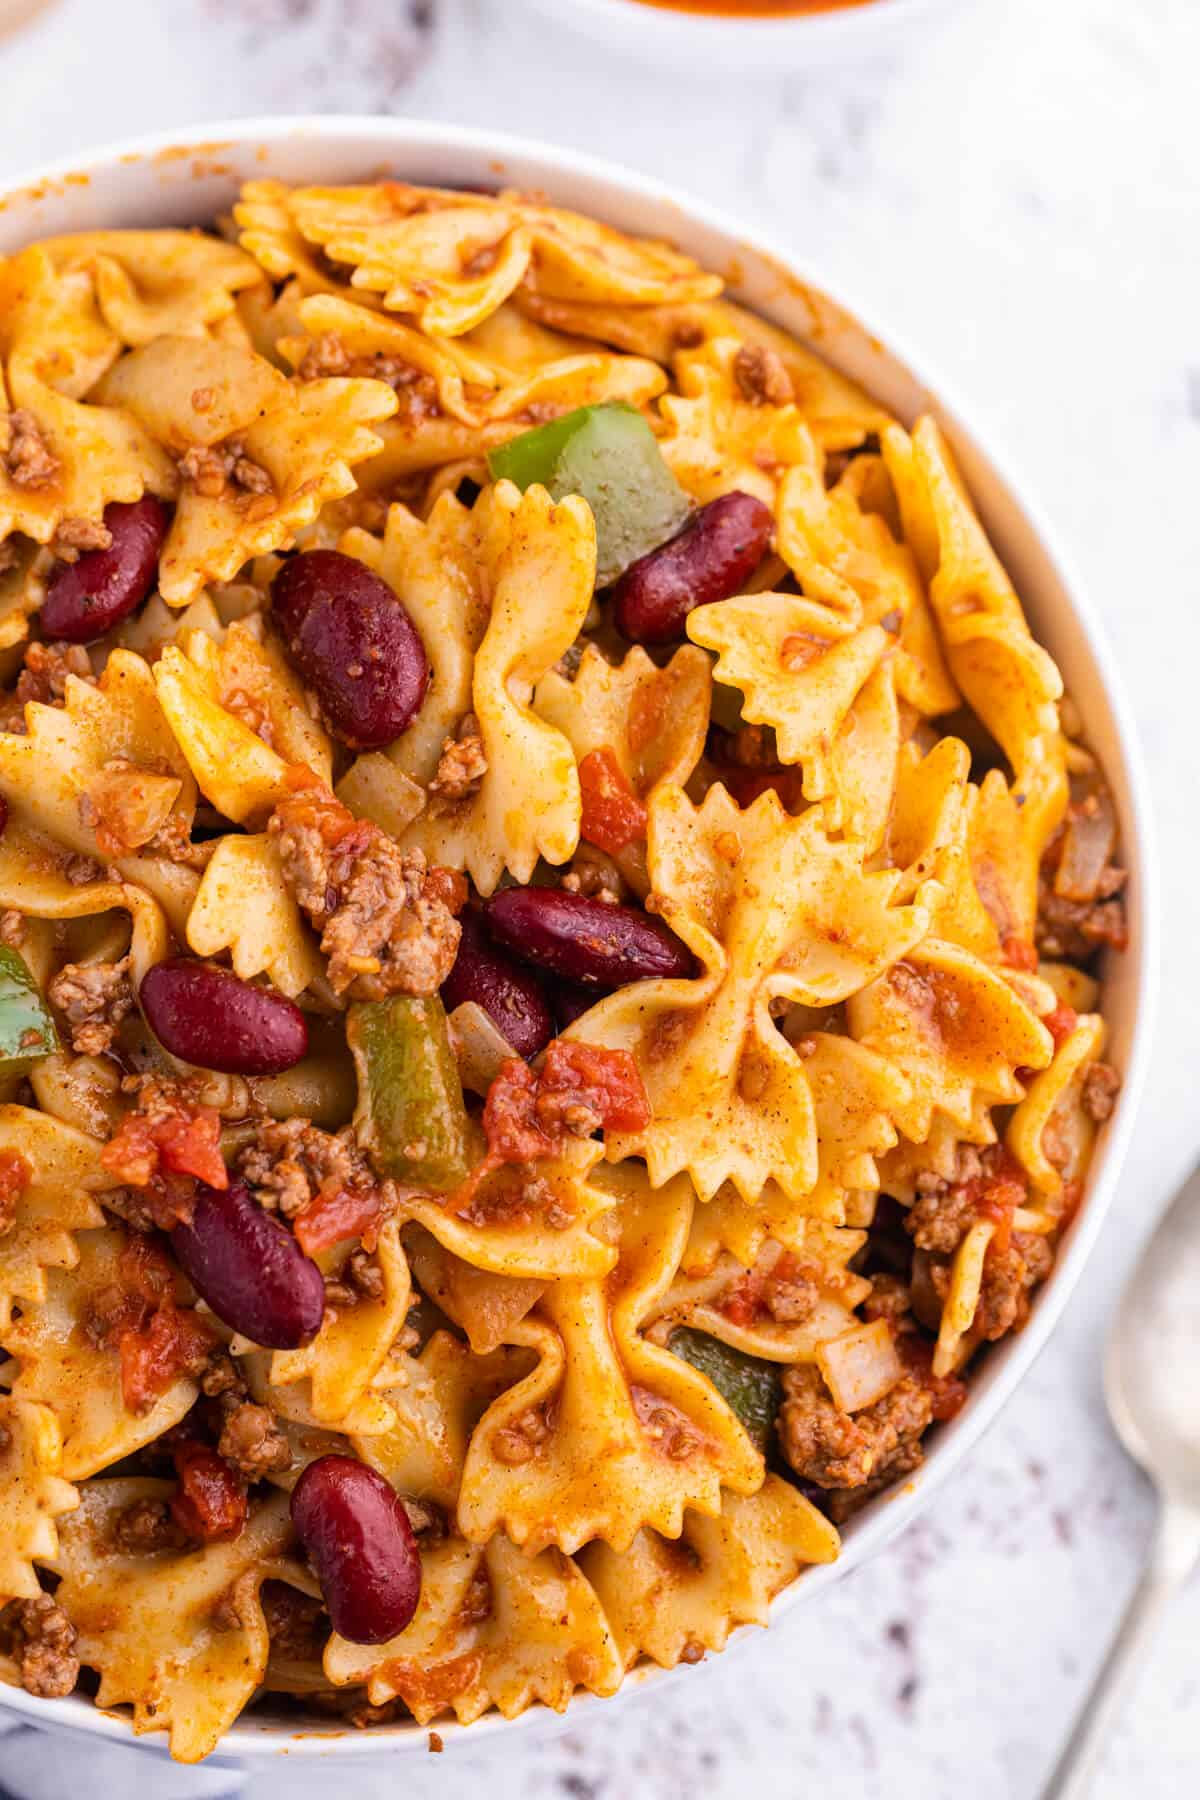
(754, 9)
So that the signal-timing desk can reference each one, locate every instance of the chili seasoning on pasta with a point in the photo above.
(551, 927)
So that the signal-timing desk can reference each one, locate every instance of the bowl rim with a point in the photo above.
(886, 1517)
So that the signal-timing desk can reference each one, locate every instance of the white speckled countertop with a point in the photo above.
(1018, 195)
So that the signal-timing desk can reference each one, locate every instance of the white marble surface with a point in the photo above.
(1018, 194)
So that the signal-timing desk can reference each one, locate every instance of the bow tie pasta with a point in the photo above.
(553, 921)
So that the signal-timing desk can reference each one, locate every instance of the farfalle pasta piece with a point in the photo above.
(936, 1154)
(62, 1173)
(33, 1494)
(370, 1415)
(579, 258)
(954, 1027)
(714, 1292)
(1009, 680)
(178, 1635)
(836, 410)
(716, 439)
(35, 880)
(348, 1352)
(799, 667)
(857, 1098)
(245, 906)
(1010, 826)
(447, 258)
(670, 1600)
(367, 342)
(22, 588)
(541, 566)
(483, 1305)
(844, 554)
(500, 1224)
(232, 766)
(602, 1395)
(652, 719)
(1051, 1132)
(773, 907)
(250, 676)
(64, 456)
(445, 1392)
(102, 772)
(63, 1367)
(151, 283)
(494, 1628)
(262, 455)
(269, 233)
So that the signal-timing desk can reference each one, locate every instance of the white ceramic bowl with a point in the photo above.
(716, 44)
(166, 180)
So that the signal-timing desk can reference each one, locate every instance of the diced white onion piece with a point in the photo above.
(480, 1047)
(861, 1365)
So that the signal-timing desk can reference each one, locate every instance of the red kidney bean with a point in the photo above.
(511, 995)
(250, 1269)
(713, 557)
(209, 1017)
(354, 1527)
(351, 639)
(85, 599)
(583, 939)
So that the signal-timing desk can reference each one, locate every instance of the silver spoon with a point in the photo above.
(1152, 1384)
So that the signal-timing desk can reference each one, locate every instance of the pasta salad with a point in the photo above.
(550, 907)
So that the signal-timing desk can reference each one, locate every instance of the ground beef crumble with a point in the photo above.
(761, 376)
(834, 1449)
(93, 998)
(43, 679)
(146, 1526)
(519, 1442)
(289, 1162)
(1101, 1085)
(461, 767)
(213, 469)
(29, 461)
(1074, 929)
(252, 1442)
(328, 356)
(383, 914)
(43, 1640)
(75, 537)
(1009, 1277)
(297, 1624)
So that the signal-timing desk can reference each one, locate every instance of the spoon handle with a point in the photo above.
(1173, 1555)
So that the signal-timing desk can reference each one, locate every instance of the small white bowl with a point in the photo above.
(716, 44)
(189, 179)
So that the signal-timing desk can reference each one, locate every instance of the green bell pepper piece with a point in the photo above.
(609, 455)
(410, 1117)
(752, 1387)
(26, 1027)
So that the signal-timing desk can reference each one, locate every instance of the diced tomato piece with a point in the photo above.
(527, 1115)
(947, 1392)
(613, 816)
(170, 1342)
(1019, 953)
(211, 1500)
(337, 1213)
(998, 1193)
(1061, 1023)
